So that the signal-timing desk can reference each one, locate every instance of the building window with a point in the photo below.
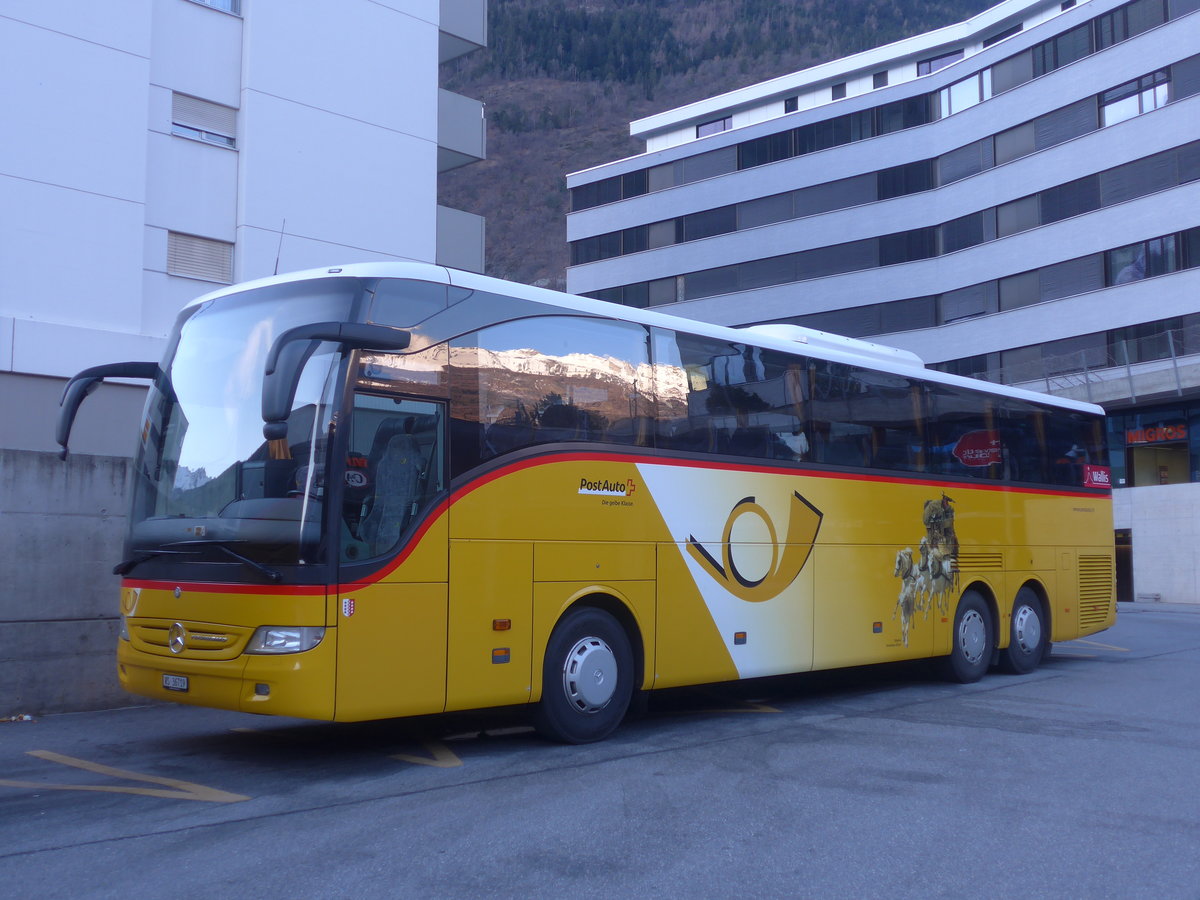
(716, 126)
(965, 94)
(202, 120)
(879, 80)
(1133, 99)
(933, 64)
(198, 257)
(1145, 259)
(791, 104)
(1003, 35)
(229, 6)
(1128, 21)
(1061, 50)
(838, 91)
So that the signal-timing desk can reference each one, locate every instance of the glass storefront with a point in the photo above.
(1157, 445)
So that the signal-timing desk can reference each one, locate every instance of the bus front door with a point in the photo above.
(391, 605)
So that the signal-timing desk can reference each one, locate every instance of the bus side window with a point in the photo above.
(741, 400)
(550, 380)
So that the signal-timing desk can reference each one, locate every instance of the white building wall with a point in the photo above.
(321, 151)
(337, 133)
(1165, 521)
(71, 169)
(186, 34)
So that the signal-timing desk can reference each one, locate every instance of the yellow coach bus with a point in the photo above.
(395, 489)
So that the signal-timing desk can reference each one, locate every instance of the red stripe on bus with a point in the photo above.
(766, 469)
(550, 458)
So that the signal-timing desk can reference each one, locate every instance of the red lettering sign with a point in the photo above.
(978, 448)
(1156, 434)
(1097, 476)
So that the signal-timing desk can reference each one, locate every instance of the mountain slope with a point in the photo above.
(562, 79)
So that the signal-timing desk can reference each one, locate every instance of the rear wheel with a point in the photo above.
(1027, 634)
(587, 678)
(971, 650)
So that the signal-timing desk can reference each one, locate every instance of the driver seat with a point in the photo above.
(397, 488)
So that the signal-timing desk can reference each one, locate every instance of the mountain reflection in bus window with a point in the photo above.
(551, 380)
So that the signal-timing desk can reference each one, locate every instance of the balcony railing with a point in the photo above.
(1160, 364)
(462, 131)
(460, 237)
(462, 28)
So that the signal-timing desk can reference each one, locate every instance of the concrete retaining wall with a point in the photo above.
(1165, 524)
(61, 531)
(62, 526)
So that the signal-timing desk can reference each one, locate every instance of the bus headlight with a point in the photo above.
(285, 639)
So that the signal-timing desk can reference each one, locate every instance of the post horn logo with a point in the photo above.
(804, 521)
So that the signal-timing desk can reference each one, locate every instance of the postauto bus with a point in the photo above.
(393, 489)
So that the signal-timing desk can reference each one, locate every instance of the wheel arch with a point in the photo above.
(612, 602)
(988, 593)
(1043, 594)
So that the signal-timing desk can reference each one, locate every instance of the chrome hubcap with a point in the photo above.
(972, 636)
(590, 675)
(1027, 629)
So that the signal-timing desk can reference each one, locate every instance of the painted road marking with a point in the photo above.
(441, 756)
(1100, 645)
(748, 706)
(179, 790)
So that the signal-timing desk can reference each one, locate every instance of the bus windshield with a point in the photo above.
(208, 486)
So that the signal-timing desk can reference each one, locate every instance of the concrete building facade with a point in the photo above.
(159, 148)
(1014, 197)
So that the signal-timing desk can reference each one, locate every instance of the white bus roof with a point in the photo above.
(785, 338)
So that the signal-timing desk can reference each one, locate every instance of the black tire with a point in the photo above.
(1028, 634)
(587, 678)
(972, 640)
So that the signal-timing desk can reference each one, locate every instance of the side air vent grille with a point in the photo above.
(981, 562)
(1095, 590)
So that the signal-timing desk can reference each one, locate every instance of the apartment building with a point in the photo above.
(1014, 197)
(155, 150)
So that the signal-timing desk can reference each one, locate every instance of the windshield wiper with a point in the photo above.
(140, 556)
(267, 572)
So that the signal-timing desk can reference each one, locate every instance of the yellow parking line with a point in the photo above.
(749, 706)
(178, 790)
(1101, 646)
(441, 756)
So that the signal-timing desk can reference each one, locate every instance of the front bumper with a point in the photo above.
(292, 684)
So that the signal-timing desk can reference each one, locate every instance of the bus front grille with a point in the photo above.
(200, 640)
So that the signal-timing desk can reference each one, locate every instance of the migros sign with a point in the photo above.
(1156, 434)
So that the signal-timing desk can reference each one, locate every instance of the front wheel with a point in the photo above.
(1027, 635)
(971, 651)
(587, 678)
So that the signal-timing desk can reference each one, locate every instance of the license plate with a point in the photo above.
(175, 682)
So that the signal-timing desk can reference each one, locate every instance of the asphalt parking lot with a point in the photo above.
(1080, 780)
